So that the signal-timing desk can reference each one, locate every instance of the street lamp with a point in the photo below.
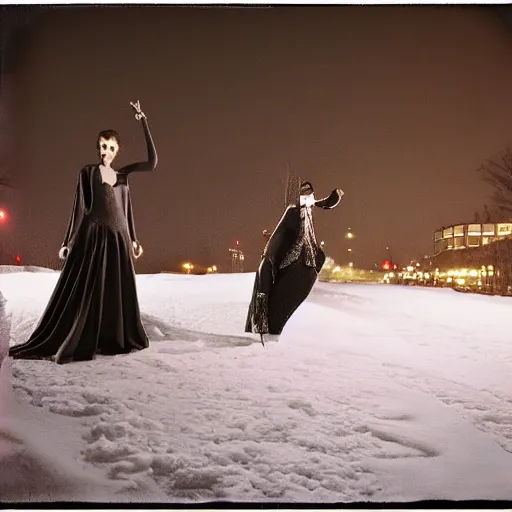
(350, 236)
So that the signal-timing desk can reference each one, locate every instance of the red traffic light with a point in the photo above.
(3, 215)
(237, 242)
(386, 265)
(18, 260)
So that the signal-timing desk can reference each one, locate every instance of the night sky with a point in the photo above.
(398, 106)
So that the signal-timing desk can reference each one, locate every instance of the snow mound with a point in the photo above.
(373, 393)
(42, 464)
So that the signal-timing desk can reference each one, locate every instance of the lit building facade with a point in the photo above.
(465, 236)
(467, 257)
(237, 260)
(475, 256)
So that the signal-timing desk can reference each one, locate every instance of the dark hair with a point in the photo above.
(306, 188)
(108, 134)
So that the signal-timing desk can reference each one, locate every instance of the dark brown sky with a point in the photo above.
(398, 106)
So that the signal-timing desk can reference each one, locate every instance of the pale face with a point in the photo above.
(308, 200)
(108, 149)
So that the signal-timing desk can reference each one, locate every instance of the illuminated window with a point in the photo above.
(438, 235)
(459, 242)
(486, 240)
(504, 229)
(448, 232)
(458, 231)
(488, 229)
(474, 229)
(473, 241)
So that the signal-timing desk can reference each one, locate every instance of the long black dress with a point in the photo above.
(288, 270)
(94, 307)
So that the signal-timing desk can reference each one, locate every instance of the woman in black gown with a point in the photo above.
(289, 266)
(94, 307)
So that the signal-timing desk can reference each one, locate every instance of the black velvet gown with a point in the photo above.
(94, 307)
(288, 270)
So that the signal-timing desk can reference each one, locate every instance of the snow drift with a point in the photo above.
(373, 393)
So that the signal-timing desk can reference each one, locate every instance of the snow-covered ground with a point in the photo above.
(373, 393)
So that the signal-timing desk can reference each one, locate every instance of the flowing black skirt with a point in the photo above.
(290, 289)
(94, 307)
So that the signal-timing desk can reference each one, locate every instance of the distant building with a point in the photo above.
(237, 260)
(465, 236)
(484, 248)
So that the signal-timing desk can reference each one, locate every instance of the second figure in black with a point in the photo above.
(289, 266)
(94, 308)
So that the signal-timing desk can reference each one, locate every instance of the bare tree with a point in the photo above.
(497, 172)
(487, 215)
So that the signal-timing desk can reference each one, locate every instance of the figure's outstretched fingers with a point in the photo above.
(136, 106)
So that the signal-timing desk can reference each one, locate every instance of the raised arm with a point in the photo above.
(152, 159)
(331, 201)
